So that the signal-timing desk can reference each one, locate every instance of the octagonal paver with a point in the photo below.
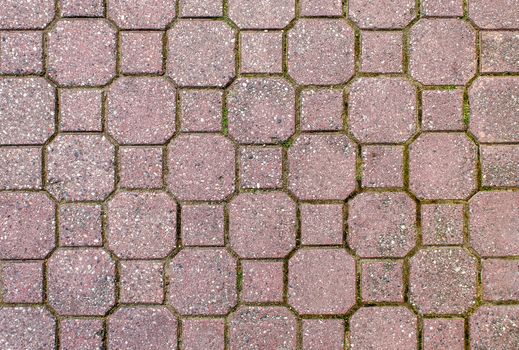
(136, 328)
(261, 110)
(322, 167)
(442, 51)
(27, 110)
(81, 281)
(201, 53)
(80, 167)
(382, 110)
(27, 225)
(261, 14)
(23, 328)
(202, 281)
(382, 224)
(494, 219)
(388, 328)
(382, 14)
(495, 327)
(142, 14)
(262, 225)
(443, 280)
(141, 110)
(442, 166)
(142, 225)
(494, 106)
(321, 281)
(270, 327)
(201, 167)
(82, 52)
(321, 51)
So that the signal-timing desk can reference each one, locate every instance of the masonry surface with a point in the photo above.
(263, 175)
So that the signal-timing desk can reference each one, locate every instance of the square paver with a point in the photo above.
(261, 51)
(82, 8)
(141, 52)
(322, 224)
(80, 225)
(200, 334)
(442, 110)
(382, 281)
(21, 282)
(261, 167)
(201, 8)
(442, 224)
(263, 281)
(321, 8)
(382, 51)
(323, 334)
(81, 334)
(140, 167)
(382, 166)
(22, 52)
(81, 110)
(442, 333)
(203, 224)
(21, 168)
(442, 8)
(141, 282)
(201, 110)
(322, 110)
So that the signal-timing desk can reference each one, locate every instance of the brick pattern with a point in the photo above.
(268, 174)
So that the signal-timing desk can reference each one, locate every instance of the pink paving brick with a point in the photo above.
(443, 334)
(321, 224)
(27, 14)
(323, 334)
(21, 282)
(201, 8)
(203, 224)
(370, 329)
(442, 110)
(81, 334)
(442, 8)
(321, 51)
(18, 330)
(322, 110)
(261, 110)
(261, 51)
(442, 224)
(141, 282)
(321, 281)
(382, 166)
(202, 281)
(382, 224)
(499, 52)
(82, 8)
(382, 51)
(499, 14)
(262, 225)
(261, 167)
(382, 281)
(202, 334)
(80, 225)
(147, 14)
(261, 14)
(262, 281)
(141, 52)
(382, 14)
(22, 52)
(24, 164)
(140, 167)
(495, 327)
(201, 110)
(141, 225)
(500, 165)
(321, 8)
(500, 279)
(81, 110)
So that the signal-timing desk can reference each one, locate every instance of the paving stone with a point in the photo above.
(27, 106)
(261, 110)
(382, 166)
(382, 224)
(22, 52)
(141, 52)
(261, 167)
(325, 334)
(499, 52)
(442, 8)
(500, 280)
(500, 165)
(80, 225)
(201, 110)
(81, 334)
(81, 281)
(382, 14)
(370, 329)
(321, 224)
(82, 52)
(203, 224)
(142, 225)
(261, 14)
(201, 8)
(442, 51)
(81, 110)
(135, 328)
(262, 281)
(320, 8)
(262, 225)
(27, 14)
(21, 282)
(442, 224)
(494, 109)
(147, 14)
(24, 164)
(82, 8)
(141, 110)
(201, 53)
(443, 334)
(321, 281)
(382, 51)
(495, 327)
(141, 282)
(442, 166)
(267, 327)
(202, 334)
(201, 167)
(322, 110)
(27, 225)
(382, 281)
(443, 281)
(498, 15)
(442, 110)
(322, 167)
(382, 110)
(80, 167)
(18, 330)
(140, 167)
(494, 218)
(202, 281)
(261, 51)
(321, 51)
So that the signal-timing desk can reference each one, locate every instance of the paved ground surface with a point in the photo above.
(267, 174)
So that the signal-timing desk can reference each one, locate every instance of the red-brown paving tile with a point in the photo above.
(141, 52)
(22, 52)
(322, 110)
(442, 110)
(203, 334)
(323, 334)
(495, 327)
(22, 282)
(82, 8)
(498, 15)
(262, 281)
(320, 8)
(80, 225)
(23, 328)
(500, 280)
(24, 164)
(201, 8)
(261, 51)
(81, 110)
(203, 224)
(261, 14)
(442, 8)
(322, 224)
(442, 224)
(499, 52)
(443, 334)
(141, 282)
(382, 51)
(140, 167)
(148, 14)
(27, 14)
(382, 281)
(382, 14)
(382, 166)
(201, 110)
(261, 167)
(81, 334)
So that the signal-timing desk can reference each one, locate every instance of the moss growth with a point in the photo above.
(287, 143)
(466, 112)
(225, 121)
